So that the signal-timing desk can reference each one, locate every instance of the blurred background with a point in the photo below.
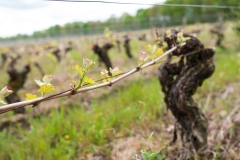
(27, 20)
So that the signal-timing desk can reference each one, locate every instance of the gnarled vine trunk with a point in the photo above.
(102, 53)
(179, 81)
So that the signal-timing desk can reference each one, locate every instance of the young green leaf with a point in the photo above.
(30, 96)
(145, 155)
(154, 50)
(143, 56)
(4, 93)
(88, 80)
(78, 69)
(2, 102)
(168, 33)
(104, 74)
(158, 52)
(39, 83)
(115, 71)
(149, 47)
(87, 63)
(181, 38)
(47, 79)
(46, 88)
(159, 42)
(82, 71)
(165, 46)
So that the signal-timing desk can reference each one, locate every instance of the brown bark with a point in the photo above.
(179, 83)
(102, 53)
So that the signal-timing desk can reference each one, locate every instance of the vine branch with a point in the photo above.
(36, 101)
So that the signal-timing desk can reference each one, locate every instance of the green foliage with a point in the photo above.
(105, 75)
(153, 51)
(141, 20)
(151, 155)
(114, 73)
(190, 11)
(181, 39)
(143, 57)
(45, 86)
(82, 71)
(46, 80)
(4, 93)
(30, 96)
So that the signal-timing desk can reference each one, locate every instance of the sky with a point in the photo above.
(27, 16)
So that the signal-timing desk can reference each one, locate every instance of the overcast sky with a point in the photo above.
(27, 16)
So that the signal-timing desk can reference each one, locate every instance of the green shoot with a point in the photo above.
(82, 71)
(44, 87)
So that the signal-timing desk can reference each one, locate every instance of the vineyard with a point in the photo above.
(162, 93)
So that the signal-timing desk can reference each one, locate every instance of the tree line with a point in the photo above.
(155, 16)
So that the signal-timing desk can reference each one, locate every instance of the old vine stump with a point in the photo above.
(102, 53)
(127, 47)
(179, 81)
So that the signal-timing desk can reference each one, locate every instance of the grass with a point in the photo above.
(66, 133)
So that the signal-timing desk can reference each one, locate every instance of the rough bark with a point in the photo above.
(179, 82)
(102, 54)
